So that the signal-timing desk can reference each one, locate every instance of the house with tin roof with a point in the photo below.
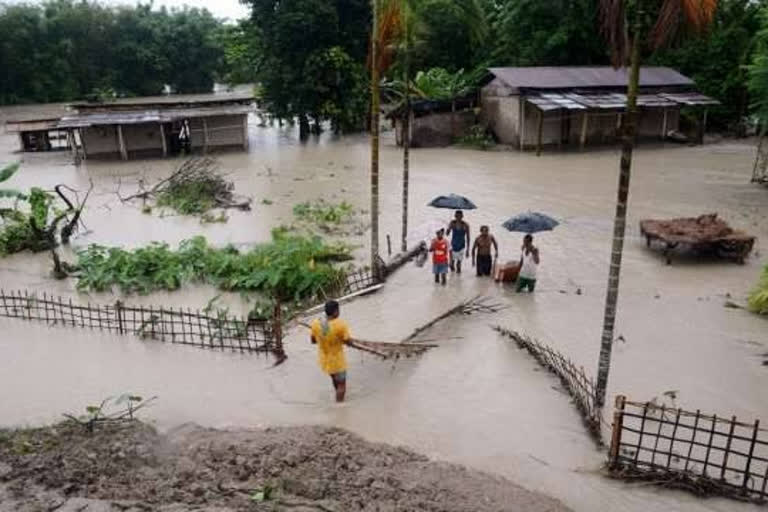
(536, 107)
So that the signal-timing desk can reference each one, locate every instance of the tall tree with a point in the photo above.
(385, 32)
(320, 81)
(630, 26)
(758, 88)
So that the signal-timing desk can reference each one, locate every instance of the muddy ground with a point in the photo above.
(131, 468)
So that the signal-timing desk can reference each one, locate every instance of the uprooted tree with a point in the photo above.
(40, 220)
(195, 188)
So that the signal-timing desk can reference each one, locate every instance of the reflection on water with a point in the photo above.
(476, 399)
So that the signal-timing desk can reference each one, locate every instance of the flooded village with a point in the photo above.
(165, 362)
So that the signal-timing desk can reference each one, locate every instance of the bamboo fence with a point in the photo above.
(174, 325)
(574, 379)
(701, 453)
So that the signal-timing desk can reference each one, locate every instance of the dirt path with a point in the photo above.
(133, 468)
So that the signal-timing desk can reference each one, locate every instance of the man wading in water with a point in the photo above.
(529, 264)
(459, 231)
(330, 335)
(481, 251)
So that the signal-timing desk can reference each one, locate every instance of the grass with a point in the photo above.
(290, 267)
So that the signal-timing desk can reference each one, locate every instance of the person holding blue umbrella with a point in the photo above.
(529, 264)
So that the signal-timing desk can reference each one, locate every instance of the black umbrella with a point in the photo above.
(452, 202)
(531, 222)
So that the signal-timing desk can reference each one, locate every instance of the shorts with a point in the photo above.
(524, 282)
(439, 268)
(484, 264)
(457, 255)
(339, 377)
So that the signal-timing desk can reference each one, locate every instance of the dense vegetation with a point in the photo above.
(62, 50)
(291, 267)
(66, 49)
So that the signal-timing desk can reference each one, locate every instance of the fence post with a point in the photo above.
(119, 312)
(618, 425)
(755, 430)
(277, 332)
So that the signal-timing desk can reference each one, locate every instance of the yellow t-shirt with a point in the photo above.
(330, 336)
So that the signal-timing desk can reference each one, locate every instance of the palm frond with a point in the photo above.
(613, 27)
(389, 21)
(8, 171)
(678, 15)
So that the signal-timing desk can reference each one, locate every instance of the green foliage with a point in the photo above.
(5, 174)
(16, 233)
(477, 138)
(440, 84)
(291, 267)
(718, 60)
(265, 493)
(188, 197)
(758, 74)
(321, 212)
(322, 81)
(547, 33)
(40, 203)
(62, 50)
(758, 299)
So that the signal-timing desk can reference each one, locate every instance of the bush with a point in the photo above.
(758, 299)
(291, 267)
(477, 137)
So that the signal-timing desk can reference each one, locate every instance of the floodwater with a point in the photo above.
(476, 399)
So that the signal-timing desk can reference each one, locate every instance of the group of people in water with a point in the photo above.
(450, 255)
(331, 333)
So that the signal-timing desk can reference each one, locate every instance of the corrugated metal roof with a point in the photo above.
(691, 98)
(565, 77)
(170, 99)
(613, 101)
(149, 116)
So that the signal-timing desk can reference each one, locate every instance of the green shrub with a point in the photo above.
(291, 267)
(758, 299)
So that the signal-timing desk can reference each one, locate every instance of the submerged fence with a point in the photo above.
(574, 379)
(174, 325)
(702, 453)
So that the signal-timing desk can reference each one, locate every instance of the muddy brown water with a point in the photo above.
(476, 399)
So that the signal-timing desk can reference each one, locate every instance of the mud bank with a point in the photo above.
(133, 468)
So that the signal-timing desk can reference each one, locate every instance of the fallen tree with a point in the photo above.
(194, 188)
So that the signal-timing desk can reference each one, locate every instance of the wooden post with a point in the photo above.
(618, 124)
(747, 476)
(162, 138)
(703, 126)
(277, 332)
(119, 311)
(584, 123)
(664, 125)
(121, 142)
(560, 125)
(21, 142)
(522, 123)
(245, 132)
(389, 246)
(82, 143)
(538, 134)
(618, 425)
(205, 136)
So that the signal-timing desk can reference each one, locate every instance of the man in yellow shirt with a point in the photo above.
(330, 335)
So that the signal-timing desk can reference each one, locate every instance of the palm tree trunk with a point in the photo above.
(406, 156)
(761, 158)
(629, 127)
(375, 99)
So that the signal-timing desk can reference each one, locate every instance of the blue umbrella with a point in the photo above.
(531, 222)
(452, 202)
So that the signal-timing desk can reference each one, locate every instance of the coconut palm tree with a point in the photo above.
(629, 27)
(385, 30)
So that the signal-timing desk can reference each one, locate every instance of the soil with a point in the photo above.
(130, 467)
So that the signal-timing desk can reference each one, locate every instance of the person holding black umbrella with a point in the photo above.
(459, 231)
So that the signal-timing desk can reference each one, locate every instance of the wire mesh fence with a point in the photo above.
(574, 379)
(357, 280)
(702, 453)
(175, 325)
